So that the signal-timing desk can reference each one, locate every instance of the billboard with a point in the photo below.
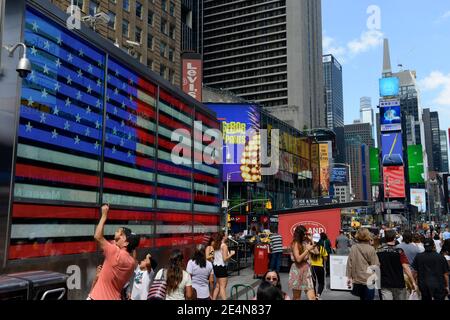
(389, 87)
(374, 166)
(339, 175)
(418, 199)
(324, 163)
(394, 182)
(240, 125)
(415, 164)
(315, 221)
(390, 115)
(392, 149)
(365, 195)
(192, 75)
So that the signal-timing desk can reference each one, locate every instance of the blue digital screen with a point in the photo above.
(390, 118)
(339, 175)
(389, 87)
(392, 149)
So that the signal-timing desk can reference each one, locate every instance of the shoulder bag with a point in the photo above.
(158, 288)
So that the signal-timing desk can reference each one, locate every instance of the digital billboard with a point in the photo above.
(390, 115)
(394, 182)
(415, 164)
(392, 149)
(374, 166)
(418, 199)
(338, 175)
(389, 87)
(324, 162)
(240, 128)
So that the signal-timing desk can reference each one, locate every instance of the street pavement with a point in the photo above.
(246, 278)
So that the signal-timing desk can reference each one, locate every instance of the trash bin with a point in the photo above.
(13, 289)
(44, 285)
(261, 260)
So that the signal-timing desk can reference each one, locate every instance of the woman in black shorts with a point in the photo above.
(221, 256)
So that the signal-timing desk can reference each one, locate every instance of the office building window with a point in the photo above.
(150, 64)
(172, 9)
(162, 71)
(112, 20)
(150, 18)
(172, 31)
(171, 54)
(125, 31)
(172, 76)
(164, 5)
(162, 49)
(163, 26)
(93, 7)
(126, 5)
(138, 9)
(149, 41)
(79, 3)
(138, 35)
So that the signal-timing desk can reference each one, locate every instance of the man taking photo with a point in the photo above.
(118, 265)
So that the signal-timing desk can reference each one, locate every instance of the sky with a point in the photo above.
(419, 39)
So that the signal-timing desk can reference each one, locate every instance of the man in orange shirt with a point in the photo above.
(118, 266)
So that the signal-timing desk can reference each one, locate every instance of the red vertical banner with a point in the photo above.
(192, 74)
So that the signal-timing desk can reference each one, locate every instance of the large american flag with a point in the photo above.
(60, 140)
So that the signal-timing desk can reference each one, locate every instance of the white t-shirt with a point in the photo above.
(178, 293)
(437, 244)
(200, 277)
(141, 284)
(218, 257)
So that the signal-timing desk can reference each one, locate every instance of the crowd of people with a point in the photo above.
(400, 265)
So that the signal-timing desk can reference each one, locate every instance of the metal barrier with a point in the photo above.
(242, 258)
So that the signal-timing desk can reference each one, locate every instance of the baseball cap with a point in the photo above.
(316, 237)
(428, 244)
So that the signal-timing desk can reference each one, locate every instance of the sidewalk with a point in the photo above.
(246, 278)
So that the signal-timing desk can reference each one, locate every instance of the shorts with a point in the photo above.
(220, 271)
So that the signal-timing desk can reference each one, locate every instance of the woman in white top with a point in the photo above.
(202, 275)
(221, 256)
(179, 285)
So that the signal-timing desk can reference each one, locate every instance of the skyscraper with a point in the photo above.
(444, 151)
(358, 139)
(269, 52)
(432, 140)
(366, 112)
(334, 102)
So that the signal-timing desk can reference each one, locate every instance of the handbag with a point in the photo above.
(158, 288)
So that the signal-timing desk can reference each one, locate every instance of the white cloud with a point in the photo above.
(368, 40)
(436, 80)
(445, 16)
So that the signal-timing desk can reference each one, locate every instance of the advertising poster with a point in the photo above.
(324, 163)
(415, 164)
(374, 166)
(390, 115)
(392, 149)
(338, 272)
(192, 75)
(315, 221)
(389, 87)
(394, 182)
(238, 120)
(418, 199)
(338, 175)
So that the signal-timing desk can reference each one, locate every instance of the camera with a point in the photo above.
(23, 67)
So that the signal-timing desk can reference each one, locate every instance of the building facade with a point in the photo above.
(89, 126)
(444, 151)
(158, 27)
(334, 101)
(269, 52)
(358, 140)
(432, 140)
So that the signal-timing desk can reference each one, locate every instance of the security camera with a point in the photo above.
(102, 17)
(23, 67)
(133, 43)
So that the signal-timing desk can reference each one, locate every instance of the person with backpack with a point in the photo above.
(393, 263)
(326, 243)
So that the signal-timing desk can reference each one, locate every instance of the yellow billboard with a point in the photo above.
(324, 163)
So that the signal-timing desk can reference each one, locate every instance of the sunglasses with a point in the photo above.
(272, 279)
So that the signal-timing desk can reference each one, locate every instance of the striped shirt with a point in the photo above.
(276, 243)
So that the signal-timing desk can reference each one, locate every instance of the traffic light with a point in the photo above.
(247, 208)
(269, 205)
